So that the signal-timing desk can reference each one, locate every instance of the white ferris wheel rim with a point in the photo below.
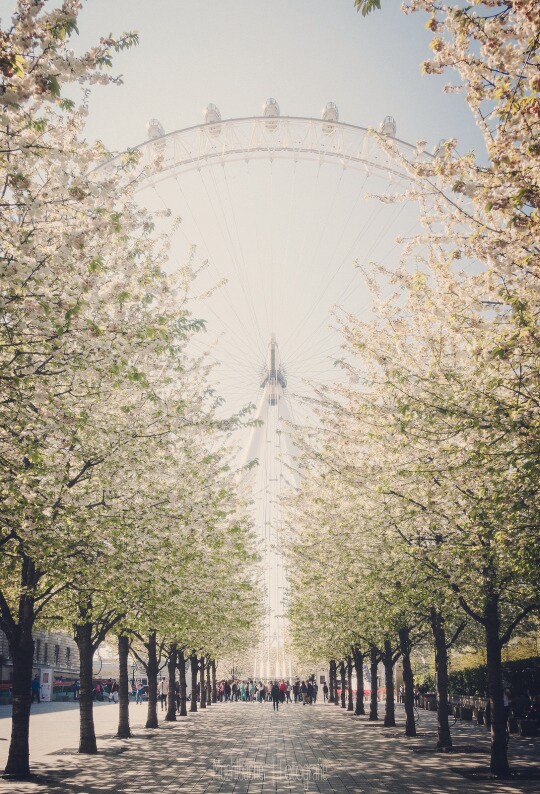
(265, 138)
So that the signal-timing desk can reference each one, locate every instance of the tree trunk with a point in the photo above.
(124, 731)
(373, 665)
(359, 668)
(343, 684)
(21, 647)
(183, 684)
(350, 706)
(194, 671)
(390, 711)
(152, 673)
(202, 683)
(214, 682)
(171, 696)
(408, 681)
(208, 685)
(331, 682)
(499, 749)
(444, 739)
(83, 638)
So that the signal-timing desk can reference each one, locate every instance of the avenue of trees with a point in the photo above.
(120, 515)
(417, 516)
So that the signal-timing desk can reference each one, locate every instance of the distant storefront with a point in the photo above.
(56, 662)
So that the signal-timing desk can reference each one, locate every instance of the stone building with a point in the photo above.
(56, 661)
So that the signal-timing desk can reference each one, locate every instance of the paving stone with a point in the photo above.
(241, 748)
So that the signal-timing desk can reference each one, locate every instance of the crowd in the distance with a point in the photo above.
(273, 691)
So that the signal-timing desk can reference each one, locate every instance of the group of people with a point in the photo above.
(102, 690)
(275, 691)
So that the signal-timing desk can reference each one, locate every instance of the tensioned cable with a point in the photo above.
(207, 305)
(234, 259)
(231, 204)
(322, 293)
(351, 248)
(242, 276)
(231, 254)
(238, 337)
(395, 214)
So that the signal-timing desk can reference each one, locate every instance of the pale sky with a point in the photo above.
(285, 236)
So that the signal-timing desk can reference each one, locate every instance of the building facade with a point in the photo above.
(56, 662)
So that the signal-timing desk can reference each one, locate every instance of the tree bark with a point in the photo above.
(373, 665)
(499, 765)
(83, 638)
(359, 668)
(152, 673)
(388, 661)
(208, 685)
(124, 731)
(342, 675)
(171, 696)
(350, 706)
(194, 671)
(214, 683)
(202, 683)
(183, 683)
(332, 680)
(21, 647)
(444, 739)
(408, 681)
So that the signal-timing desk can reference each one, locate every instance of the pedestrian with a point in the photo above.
(325, 692)
(140, 692)
(296, 690)
(282, 691)
(36, 689)
(315, 692)
(75, 689)
(114, 692)
(163, 691)
(274, 693)
(177, 695)
(309, 692)
(304, 692)
(288, 693)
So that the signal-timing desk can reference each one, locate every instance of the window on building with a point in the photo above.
(45, 652)
(68, 656)
(37, 649)
(56, 654)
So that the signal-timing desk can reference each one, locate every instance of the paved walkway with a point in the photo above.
(248, 749)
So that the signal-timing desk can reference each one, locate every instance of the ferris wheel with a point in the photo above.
(280, 207)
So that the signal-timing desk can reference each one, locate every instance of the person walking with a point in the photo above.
(75, 689)
(282, 691)
(139, 693)
(303, 692)
(309, 692)
(163, 691)
(275, 695)
(36, 689)
(325, 692)
(296, 690)
(114, 692)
